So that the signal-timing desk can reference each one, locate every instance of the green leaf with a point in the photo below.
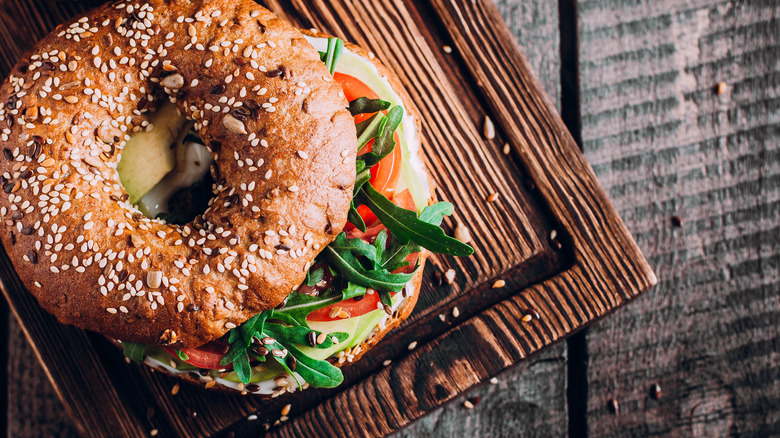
(315, 276)
(378, 279)
(434, 214)
(242, 368)
(385, 298)
(242, 341)
(182, 355)
(287, 335)
(364, 105)
(352, 291)
(406, 226)
(318, 373)
(380, 243)
(385, 140)
(331, 56)
(367, 130)
(357, 246)
(133, 351)
(299, 306)
(354, 217)
(396, 254)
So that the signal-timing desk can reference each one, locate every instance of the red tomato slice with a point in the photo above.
(352, 307)
(404, 200)
(354, 88)
(385, 174)
(206, 356)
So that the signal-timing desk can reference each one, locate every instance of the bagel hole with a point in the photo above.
(165, 169)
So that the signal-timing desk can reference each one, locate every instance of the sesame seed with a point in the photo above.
(412, 345)
(499, 284)
(450, 276)
(494, 381)
(455, 312)
(462, 233)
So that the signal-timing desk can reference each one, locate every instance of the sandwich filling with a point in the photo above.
(354, 286)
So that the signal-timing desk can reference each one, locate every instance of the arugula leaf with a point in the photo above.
(349, 266)
(134, 351)
(368, 129)
(396, 254)
(384, 141)
(182, 355)
(300, 335)
(364, 105)
(354, 217)
(242, 368)
(406, 226)
(331, 56)
(299, 306)
(380, 243)
(434, 214)
(315, 276)
(241, 342)
(356, 246)
(386, 300)
(318, 373)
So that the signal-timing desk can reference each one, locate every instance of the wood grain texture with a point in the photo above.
(530, 398)
(511, 238)
(664, 143)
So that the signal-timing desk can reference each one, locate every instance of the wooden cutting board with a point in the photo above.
(551, 235)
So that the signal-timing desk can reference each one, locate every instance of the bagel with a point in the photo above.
(267, 109)
(271, 269)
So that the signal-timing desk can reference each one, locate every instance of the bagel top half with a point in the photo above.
(265, 106)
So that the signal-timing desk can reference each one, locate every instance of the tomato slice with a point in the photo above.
(206, 356)
(354, 88)
(385, 174)
(351, 307)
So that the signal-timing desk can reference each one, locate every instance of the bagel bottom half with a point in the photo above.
(282, 383)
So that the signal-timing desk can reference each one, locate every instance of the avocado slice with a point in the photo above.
(148, 156)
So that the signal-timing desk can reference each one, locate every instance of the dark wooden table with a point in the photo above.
(677, 107)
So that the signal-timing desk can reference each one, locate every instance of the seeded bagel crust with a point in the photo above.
(412, 289)
(265, 106)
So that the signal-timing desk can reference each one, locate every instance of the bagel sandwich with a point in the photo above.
(233, 201)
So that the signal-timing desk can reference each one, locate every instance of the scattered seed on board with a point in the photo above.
(450, 276)
(489, 129)
(412, 345)
(455, 312)
(493, 196)
(153, 432)
(721, 88)
(387, 362)
(655, 391)
(506, 149)
(553, 234)
(499, 284)
(462, 233)
(286, 410)
(468, 405)
(252, 417)
(175, 389)
(527, 318)
(447, 49)
(494, 381)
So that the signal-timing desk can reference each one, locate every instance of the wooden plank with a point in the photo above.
(511, 237)
(665, 144)
(607, 273)
(530, 398)
(607, 269)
